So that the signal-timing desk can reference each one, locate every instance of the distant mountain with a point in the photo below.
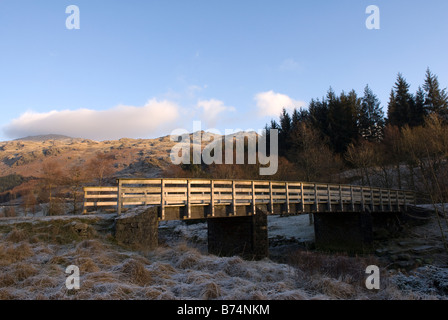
(41, 138)
(132, 158)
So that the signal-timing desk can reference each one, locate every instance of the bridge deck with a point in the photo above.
(240, 197)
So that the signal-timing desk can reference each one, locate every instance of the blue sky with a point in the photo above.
(141, 69)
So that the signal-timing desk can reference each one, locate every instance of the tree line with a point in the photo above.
(349, 138)
(406, 147)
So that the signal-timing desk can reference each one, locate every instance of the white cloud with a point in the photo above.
(289, 65)
(152, 119)
(212, 110)
(270, 103)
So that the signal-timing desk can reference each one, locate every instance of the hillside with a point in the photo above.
(143, 158)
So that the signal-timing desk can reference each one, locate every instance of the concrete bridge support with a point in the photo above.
(138, 229)
(243, 236)
(344, 231)
(354, 232)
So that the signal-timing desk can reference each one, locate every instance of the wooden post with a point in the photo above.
(352, 198)
(341, 202)
(390, 200)
(404, 199)
(188, 199)
(254, 209)
(316, 198)
(233, 198)
(287, 198)
(372, 200)
(362, 199)
(162, 199)
(119, 197)
(381, 201)
(398, 200)
(329, 197)
(84, 208)
(271, 199)
(212, 198)
(302, 198)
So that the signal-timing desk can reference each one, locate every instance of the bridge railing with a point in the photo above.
(202, 192)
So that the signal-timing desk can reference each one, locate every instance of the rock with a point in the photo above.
(82, 229)
(404, 257)
(423, 249)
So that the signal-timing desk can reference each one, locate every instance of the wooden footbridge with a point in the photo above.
(240, 197)
(236, 210)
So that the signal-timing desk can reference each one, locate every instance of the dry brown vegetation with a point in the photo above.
(34, 268)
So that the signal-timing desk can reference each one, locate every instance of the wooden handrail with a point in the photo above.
(190, 192)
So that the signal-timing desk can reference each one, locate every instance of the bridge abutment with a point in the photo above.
(354, 232)
(343, 231)
(243, 236)
(138, 229)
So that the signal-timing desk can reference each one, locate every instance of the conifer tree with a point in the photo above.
(342, 115)
(419, 112)
(371, 117)
(401, 104)
(436, 100)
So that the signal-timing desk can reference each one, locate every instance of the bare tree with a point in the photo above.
(101, 167)
(52, 178)
(75, 177)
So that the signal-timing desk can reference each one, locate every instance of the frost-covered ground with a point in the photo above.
(34, 268)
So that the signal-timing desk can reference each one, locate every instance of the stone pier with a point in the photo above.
(243, 236)
(343, 231)
(354, 232)
(138, 229)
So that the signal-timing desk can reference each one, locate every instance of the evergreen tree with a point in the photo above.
(371, 117)
(318, 116)
(402, 104)
(342, 116)
(419, 112)
(436, 99)
(284, 133)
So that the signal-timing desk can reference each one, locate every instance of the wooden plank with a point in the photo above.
(100, 189)
(221, 189)
(100, 204)
(243, 190)
(140, 181)
(140, 189)
(271, 200)
(243, 183)
(262, 183)
(287, 198)
(102, 196)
